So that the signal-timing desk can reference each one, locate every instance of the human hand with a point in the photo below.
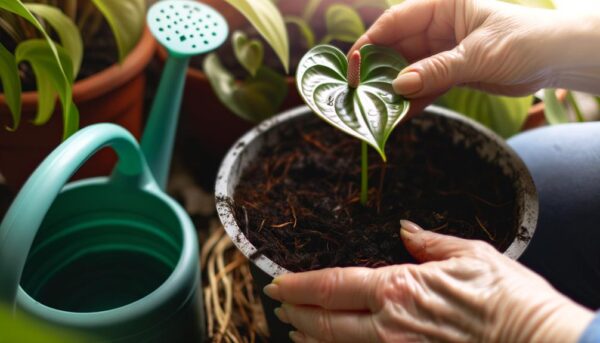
(464, 291)
(488, 45)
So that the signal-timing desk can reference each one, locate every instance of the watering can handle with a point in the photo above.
(21, 223)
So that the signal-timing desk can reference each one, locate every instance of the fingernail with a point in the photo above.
(297, 336)
(282, 315)
(407, 83)
(408, 226)
(272, 291)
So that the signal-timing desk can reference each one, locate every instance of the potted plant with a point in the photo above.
(91, 53)
(296, 194)
(247, 80)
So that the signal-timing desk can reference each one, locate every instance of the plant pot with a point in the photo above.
(114, 95)
(460, 131)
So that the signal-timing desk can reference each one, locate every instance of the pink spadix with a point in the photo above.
(354, 69)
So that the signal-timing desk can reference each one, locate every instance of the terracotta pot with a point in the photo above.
(112, 95)
(536, 116)
(462, 130)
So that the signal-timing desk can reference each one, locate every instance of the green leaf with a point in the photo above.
(504, 115)
(65, 28)
(304, 28)
(343, 24)
(249, 52)
(369, 112)
(11, 82)
(126, 20)
(50, 81)
(575, 105)
(533, 3)
(267, 20)
(70, 112)
(253, 99)
(310, 9)
(554, 111)
(394, 2)
(22, 328)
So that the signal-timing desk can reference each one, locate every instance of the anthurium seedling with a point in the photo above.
(355, 95)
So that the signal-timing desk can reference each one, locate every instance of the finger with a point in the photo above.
(428, 246)
(329, 326)
(400, 21)
(433, 75)
(333, 288)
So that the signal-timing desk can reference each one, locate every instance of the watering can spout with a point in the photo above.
(185, 28)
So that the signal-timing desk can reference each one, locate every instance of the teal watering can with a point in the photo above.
(114, 257)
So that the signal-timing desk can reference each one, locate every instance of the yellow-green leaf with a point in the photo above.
(504, 115)
(11, 82)
(67, 31)
(50, 81)
(554, 111)
(126, 20)
(70, 113)
(304, 29)
(249, 52)
(267, 20)
(343, 24)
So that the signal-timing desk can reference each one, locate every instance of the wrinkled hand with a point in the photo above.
(489, 45)
(465, 291)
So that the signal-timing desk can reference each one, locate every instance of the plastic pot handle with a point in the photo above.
(23, 219)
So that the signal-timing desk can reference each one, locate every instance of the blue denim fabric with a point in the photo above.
(564, 161)
(592, 332)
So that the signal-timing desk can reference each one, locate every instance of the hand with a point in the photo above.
(465, 291)
(489, 45)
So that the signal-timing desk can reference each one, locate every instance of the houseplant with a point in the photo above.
(99, 75)
(289, 191)
(219, 87)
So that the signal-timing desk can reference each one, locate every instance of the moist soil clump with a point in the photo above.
(298, 201)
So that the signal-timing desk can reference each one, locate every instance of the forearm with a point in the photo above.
(574, 51)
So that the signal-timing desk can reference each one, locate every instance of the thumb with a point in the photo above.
(433, 75)
(428, 246)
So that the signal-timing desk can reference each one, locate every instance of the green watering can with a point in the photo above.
(114, 257)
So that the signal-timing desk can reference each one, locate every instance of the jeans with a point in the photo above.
(564, 161)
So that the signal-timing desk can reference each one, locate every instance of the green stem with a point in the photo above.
(364, 173)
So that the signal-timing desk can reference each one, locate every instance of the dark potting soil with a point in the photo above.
(99, 53)
(298, 201)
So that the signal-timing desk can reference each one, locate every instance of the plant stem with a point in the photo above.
(364, 173)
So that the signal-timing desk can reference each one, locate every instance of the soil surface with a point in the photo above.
(298, 202)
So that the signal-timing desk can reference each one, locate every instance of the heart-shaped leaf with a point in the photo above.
(369, 111)
(249, 52)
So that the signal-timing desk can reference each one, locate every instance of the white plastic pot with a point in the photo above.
(462, 130)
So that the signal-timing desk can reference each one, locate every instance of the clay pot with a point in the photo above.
(464, 131)
(114, 95)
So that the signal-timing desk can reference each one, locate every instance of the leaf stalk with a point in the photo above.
(364, 173)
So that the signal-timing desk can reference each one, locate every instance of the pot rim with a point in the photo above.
(529, 211)
(106, 79)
